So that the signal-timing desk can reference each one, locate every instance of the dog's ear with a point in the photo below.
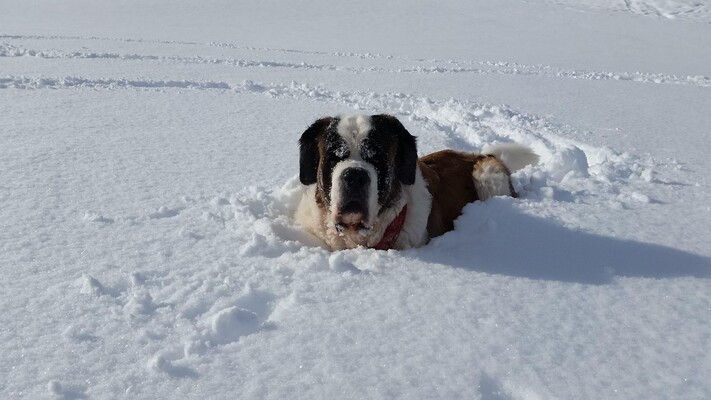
(406, 156)
(308, 151)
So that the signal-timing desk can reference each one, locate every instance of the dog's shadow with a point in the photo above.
(495, 237)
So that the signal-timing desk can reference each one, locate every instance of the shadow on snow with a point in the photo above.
(496, 238)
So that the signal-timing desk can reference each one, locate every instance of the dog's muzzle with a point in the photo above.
(353, 207)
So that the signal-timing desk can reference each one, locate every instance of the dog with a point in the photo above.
(366, 187)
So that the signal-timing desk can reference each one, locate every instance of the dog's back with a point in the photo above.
(455, 179)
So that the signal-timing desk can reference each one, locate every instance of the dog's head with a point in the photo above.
(359, 164)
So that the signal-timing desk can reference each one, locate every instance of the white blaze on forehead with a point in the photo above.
(353, 129)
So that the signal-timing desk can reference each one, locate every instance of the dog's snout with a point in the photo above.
(353, 196)
(355, 178)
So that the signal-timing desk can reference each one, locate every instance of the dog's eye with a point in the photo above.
(337, 147)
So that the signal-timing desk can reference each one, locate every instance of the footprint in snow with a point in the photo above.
(162, 364)
(246, 316)
(232, 323)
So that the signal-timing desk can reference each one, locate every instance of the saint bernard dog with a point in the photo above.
(365, 186)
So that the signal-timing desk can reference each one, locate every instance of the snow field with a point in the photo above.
(694, 10)
(193, 284)
(148, 248)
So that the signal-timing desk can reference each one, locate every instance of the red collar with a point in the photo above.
(392, 231)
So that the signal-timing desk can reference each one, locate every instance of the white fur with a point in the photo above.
(353, 129)
(419, 203)
(491, 180)
(308, 214)
(316, 221)
(515, 156)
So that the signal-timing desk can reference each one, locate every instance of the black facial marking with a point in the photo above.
(389, 136)
(309, 151)
(335, 150)
(406, 156)
(374, 150)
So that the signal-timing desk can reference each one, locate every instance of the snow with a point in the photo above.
(150, 165)
(694, 10)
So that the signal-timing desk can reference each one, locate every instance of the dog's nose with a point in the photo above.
(355, 178)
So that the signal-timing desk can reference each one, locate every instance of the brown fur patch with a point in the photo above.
(448, 174)
(320, 194)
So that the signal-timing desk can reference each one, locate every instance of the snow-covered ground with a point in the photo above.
(148, 157)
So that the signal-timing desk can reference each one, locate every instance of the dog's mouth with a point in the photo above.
(352, 216)
(360, 227)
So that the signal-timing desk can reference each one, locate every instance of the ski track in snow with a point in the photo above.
(426, 66)
(219, 312)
